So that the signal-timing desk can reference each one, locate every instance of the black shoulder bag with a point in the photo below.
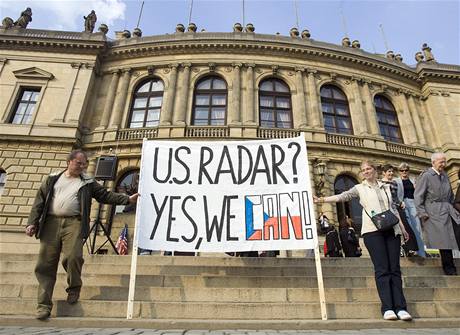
(385, 220)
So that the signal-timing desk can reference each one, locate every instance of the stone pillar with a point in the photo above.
(373, 124)
(250, 113)
(167, 110)
(432, 136)
(356, 110)
(301, 116)
(235, 112)
(417, 122)
(406, 122)
(120, 99)
(181, 110)
(316, 113)
(110, 99)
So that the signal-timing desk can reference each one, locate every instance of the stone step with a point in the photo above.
(238, 281)
(328, 270)
(233, 261)
(218, 324)
(253, 295)
(226, 311)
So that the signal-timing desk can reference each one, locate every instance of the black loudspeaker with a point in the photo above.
(106, 168)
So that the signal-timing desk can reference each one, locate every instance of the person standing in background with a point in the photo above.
(410, 246)
(406, 187)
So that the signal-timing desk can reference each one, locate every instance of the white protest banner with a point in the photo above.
(226, 196)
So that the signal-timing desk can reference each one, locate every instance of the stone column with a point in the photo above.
(432, 135)
(235, 112)
(406, 122)
(179, 117)
(356, 110)
(167, 110)
(120, 99)
(110, 99)
(250, 113)
(417, 122)
(315, 108)
(373, 124)
(301, 116)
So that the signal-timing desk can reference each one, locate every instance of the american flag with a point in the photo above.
(122, 242)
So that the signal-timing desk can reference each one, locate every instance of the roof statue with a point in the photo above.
(306, 34)
(180, 28)
(355, 44)
(7, 23)
(237, 27)
(390, 55)
(250, 28)
(191, 27)
(427, 52)
(24, 19)
(103, 28)
(294, 32)
(419, 57)
(398, 58)
(137, 32)
(90, 21)
(346, 42)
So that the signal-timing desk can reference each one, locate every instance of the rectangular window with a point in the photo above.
(25, 106)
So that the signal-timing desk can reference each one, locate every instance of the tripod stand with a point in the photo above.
(94, 229)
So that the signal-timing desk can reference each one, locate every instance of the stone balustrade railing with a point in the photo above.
(346, 140)
(136, 134)
(400, 149)
(194, 131)
(276, 133)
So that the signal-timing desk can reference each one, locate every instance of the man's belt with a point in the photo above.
(66, 216)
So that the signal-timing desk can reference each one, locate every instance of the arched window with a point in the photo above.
(388, 120)
(146, 107)
(275, 104)
(210, 102)
(336, 113)
(352, 208)
(2, 180)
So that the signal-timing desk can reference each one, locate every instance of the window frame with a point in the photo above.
(211, 92)
(382, 111)
(18, 101)
(149, 95)
(334, 115)
(274, 95)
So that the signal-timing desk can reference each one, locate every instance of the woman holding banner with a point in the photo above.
(383, 246)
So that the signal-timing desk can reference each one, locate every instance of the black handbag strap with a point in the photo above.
(389, 204)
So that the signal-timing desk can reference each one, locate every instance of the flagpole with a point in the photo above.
(140, 14)
(190, 13)
(296, 14)
(243, 15)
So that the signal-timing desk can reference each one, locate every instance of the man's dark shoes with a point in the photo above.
(72, 297)
(42, 315)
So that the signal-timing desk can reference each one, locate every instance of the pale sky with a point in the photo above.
(406, 24)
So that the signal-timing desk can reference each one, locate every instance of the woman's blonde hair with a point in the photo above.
(369, 163)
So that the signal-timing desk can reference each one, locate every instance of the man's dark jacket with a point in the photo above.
(90, 189)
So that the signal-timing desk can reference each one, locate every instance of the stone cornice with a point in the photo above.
(47, 40)
(254, 43)
(431, 71)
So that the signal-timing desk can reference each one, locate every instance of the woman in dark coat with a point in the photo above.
(348, 238)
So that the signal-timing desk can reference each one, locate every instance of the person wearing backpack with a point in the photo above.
(348, 238)
(332, 243)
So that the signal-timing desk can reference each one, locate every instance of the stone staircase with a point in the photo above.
(228, 293)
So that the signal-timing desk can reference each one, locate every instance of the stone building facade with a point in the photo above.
(62, 90)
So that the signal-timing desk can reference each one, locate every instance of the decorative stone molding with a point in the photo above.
(76, 65)
(275, 69)
(150, 70)
(33, 73)
(212, 67)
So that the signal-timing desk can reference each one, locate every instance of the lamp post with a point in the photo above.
(320, 172)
